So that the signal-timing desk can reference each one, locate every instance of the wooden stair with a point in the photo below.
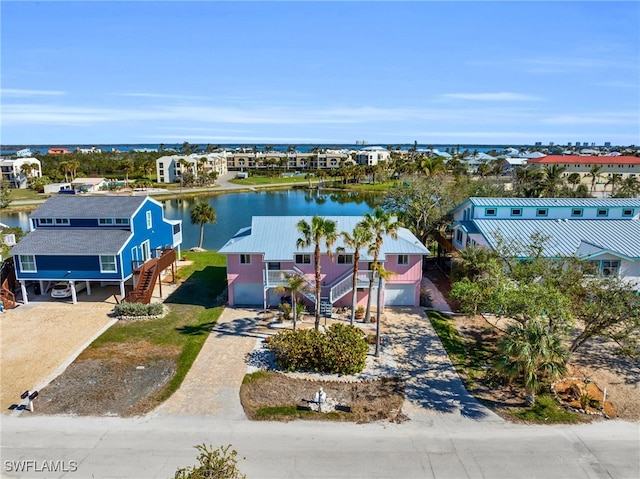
(147, 275)
(7, 284)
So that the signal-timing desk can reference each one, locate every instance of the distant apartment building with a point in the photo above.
(59, 151)
(292, 160)
(625, 166)
(16, 172)
(170, 169)
(372, 155)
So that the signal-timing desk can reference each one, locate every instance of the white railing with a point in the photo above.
(277, 277)
(341, 288)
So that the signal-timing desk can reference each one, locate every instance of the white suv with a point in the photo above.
(63, 289)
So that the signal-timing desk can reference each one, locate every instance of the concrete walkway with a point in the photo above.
(212, 385)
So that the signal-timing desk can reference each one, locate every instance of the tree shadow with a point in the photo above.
(241, 327)
(197, 330)
(201, 288)
(431, 381)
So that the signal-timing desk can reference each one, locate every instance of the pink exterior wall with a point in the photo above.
(330, 271)
(245, 273)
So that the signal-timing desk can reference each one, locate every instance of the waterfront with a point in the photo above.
(235, 210)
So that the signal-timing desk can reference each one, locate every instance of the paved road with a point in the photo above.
(433, 447)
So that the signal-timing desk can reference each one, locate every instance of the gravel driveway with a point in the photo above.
(40, 339)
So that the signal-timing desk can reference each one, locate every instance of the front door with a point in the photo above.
(145, 248)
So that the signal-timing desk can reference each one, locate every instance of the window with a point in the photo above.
(490, 211)
(28, 263)
(602, 212)
(107, 264)
(122, 221)
(273, 266)
(345, 259)
(610, 267)
(149, 220)
(459, 236)
(576, 212)
(245, 259)
(62, 221)
(46, 221)
(176, 228)
(105, 221)
(303, 259)
(516, 211)
(627, 213)
(542, 212)
(403, 259)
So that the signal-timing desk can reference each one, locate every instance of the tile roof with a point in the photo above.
(89, 207)
(276, 237)
(566, 236)
(596, 160)
(72, 241)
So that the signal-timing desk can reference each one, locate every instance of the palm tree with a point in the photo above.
(574, 180)
(313, 234)
(359, 238)
(552, 180)
(294, 283)
(432, 166)
(379, 223)
(201, 214)
(531, 353)
(383, 275)
(127, 167)
(614, 180)
(595, 175)
(66, 169)
(630, 188)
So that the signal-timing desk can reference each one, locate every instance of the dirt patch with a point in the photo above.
(361, 401)
(596, 361)
(113, 380)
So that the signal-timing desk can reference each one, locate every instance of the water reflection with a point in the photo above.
(236, 209)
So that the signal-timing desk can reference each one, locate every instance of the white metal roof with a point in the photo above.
(276, 237)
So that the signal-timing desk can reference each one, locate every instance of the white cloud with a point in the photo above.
(498, 96)
(16, 92)
(603, 118)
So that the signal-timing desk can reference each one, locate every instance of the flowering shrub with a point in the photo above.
(342, 349)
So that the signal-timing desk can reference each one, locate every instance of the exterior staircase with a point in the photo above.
(147, 275)
(7, 283)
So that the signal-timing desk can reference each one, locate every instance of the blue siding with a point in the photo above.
(79, 267)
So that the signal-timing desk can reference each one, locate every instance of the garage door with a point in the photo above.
(245, 294)
(399, 295)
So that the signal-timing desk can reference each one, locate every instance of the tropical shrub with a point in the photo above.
(342, 349)
(138, 309)
(221, 463)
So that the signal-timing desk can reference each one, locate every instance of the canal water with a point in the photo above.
(234, 211)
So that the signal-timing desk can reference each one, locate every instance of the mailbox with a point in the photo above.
(33, 395)
(24, 395)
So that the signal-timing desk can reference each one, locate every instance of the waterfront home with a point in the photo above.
(89, 185)
(59, 151)
(16, 173)
(261, 256)
(171, 168)
(100, 239)
(606, 166)
(372, 155)
(604, 232)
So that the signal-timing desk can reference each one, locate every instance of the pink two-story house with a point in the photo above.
(261, 256)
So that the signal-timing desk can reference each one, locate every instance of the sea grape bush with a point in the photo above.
(342, 349)
(137, 309)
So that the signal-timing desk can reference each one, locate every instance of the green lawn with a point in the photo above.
(194, 309)
(20, 194)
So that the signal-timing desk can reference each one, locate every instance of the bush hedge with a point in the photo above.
(342, 349)
(138, 309)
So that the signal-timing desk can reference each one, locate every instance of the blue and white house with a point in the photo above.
(93, 239)
(605, 232)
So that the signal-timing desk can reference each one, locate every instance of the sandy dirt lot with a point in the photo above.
(40, 339)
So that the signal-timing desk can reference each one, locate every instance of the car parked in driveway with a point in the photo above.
(63, 289)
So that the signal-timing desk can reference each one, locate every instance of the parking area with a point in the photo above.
(40, 339)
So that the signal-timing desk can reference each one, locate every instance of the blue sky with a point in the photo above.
(320, 72)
